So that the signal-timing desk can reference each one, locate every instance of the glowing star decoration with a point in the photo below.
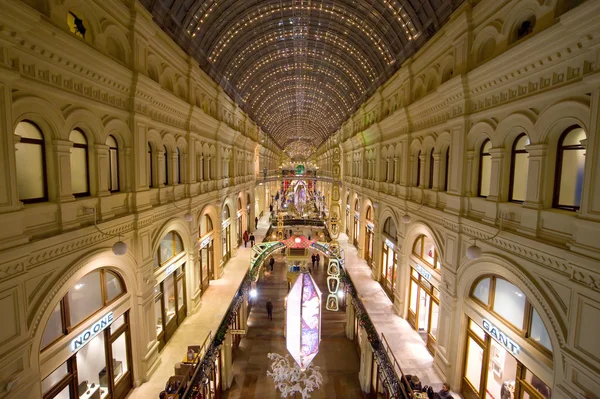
(303, 330)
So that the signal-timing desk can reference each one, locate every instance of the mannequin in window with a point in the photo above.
(507, 391)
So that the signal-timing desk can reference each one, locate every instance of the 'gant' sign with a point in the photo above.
(91, 332)
(501, 337)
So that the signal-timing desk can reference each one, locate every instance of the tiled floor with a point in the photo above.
(337, 357)
(206, 318)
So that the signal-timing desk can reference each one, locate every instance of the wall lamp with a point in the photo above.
(475, 252)
(406, 219)
(120, 247)
(187, 216)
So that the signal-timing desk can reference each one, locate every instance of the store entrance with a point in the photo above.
(424, 309)
(170, 305)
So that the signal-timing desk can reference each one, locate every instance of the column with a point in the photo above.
(62, 156)
(497, 184)
(160, 164)
(471, 183)
(9, 196)
(103, 170)
(366, 362)
(227, 361)
(422, 169)
(396, 170)
(436, 171)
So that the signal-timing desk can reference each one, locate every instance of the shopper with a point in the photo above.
(251, 240)
(318, 260)
(256, 222)
(270, 309)
(271, 262)
(314, 259)
(245, 236)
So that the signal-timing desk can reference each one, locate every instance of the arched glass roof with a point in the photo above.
(300, 68)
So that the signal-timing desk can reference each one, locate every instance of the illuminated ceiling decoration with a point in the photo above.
(300, 68)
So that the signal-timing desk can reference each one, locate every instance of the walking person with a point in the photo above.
(318, 260)
(251, 240)
(270, 309)
(271, 263)
(256, 222)
(245, 237)
(314, 259)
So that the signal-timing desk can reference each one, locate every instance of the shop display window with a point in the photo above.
(169, 295)
(113, 286)
(119, 353)
(424, 248)
(538, 332)
(473, 363)
(482, 291)
(435, 311)
(91, 369)
(502, 372)
(117, 323)
(170, 246)
(477, 330)
(55, 377)
(414, 292)
(158, 314)
(509, 303)
(54, 327)
(532, 382)
(180, 294)
(85, 298)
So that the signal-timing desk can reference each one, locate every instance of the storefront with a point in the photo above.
(206, 262)
(389, 258)
(508, 350)
(348, 219)
(170, 307)
(424, 296)
(226, 234)
(369, 236)
(240, 226)
(86, 345)
(356, 231)
(248, 218)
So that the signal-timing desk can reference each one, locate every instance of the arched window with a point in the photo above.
(166, 166)
(389, 229)
(485, 168)
(170, 246)
(570, 163)
(113, 164)
(418, 177)
(486, 50)
(226, 213)
(80, 183)
(31, 163)
(431, 166)
(523, 29)
(206, 225)
(509, 303)
(369, 214)
(446, 168)
(150, 166)
(88, 296)
(519, 165)
(424, 248)
(178, 169)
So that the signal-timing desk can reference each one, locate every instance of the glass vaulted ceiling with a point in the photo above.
(300, 68)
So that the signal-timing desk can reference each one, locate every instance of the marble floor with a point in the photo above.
(337, 358)
(204, 319)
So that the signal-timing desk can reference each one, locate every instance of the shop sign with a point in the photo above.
(348, 207)
(226, 223)
(370, 227)
(389, 243)
(239, 213)
(171, 269)
(91, 332)
(423, 272)
(356, 216)
(205, 242)
(499, 336)
(237, 332)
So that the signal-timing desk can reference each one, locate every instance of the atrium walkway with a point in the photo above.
(337, 357)
(204, 319)
(405, 342)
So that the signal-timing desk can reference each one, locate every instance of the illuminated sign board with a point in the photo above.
(171, 269)
(205, 242)
(389, 243)
(370, 226)
(226, 223)
(499, 336)
(423, 272)
(91, 332)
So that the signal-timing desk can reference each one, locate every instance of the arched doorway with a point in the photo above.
(389, 257)
(369, 235)
(424, 295)
(93, 326)
(206, 267)
(240, 226)
(356, 229)
(248, 213)
(506, 343)
(170, 299)
(226, 233)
